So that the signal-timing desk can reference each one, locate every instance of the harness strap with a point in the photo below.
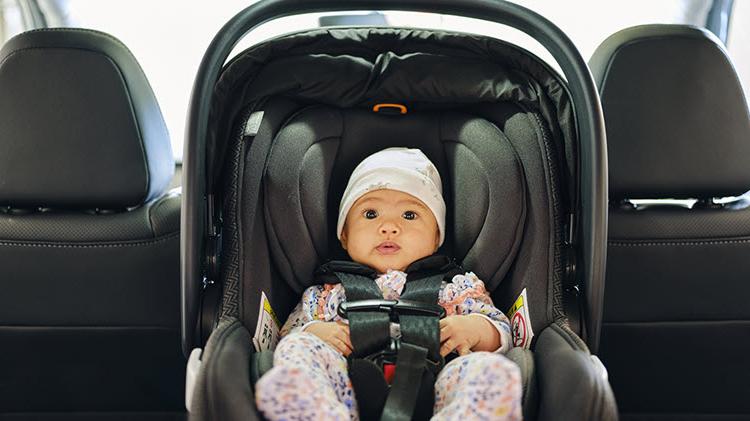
(370, 332)
(422, 330)
(418, 357)
(402, 399)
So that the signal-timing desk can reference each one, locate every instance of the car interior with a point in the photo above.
(90, 236)
(605, 192)
(683, 266)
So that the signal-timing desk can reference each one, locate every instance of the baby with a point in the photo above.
(391, 215)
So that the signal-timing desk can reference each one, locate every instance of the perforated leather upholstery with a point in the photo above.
(89, 238)
(676, 329)
(676, 115)
(67, 91)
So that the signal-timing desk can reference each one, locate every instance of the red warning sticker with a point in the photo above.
(520, 323)
(518, 327)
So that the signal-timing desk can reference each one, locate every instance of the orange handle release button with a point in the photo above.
(401, 109)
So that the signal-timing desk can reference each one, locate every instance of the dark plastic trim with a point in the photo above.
(592, 221)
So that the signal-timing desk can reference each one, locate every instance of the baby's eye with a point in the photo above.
(371, 214)
(409, 215)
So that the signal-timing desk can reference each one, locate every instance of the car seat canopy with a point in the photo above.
(365, 66)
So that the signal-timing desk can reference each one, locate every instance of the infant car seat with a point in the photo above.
(292, 117)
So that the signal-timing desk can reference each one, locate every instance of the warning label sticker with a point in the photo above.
(520, 322)
(267, 330)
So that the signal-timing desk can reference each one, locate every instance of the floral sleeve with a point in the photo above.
(318, 304)
(297, 318)
(465, 295)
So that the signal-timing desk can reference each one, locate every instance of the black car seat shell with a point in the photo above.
(501, 135)
(89, 235)
(676, 326)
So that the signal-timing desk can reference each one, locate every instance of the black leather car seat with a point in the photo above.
(89, 238)
(676, 331)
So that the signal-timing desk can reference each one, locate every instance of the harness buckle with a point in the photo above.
(389, 370)
(394, 308)
(387, 359)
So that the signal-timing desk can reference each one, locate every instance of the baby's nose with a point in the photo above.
(389, 229)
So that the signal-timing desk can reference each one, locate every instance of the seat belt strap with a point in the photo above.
(370, 332)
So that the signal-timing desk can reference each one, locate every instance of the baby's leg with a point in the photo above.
(308, 381)
(478, 386)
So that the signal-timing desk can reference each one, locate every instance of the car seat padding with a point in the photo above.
(315, 151)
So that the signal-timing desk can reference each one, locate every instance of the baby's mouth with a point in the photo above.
(388, 247)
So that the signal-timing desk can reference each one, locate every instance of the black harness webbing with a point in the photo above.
(416, 354)
(370, 331)
(411, 377)
(418, 329)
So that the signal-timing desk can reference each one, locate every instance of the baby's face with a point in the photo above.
(388, 229)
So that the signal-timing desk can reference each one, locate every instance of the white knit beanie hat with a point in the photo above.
(402, 169)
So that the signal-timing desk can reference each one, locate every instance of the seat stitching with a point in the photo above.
(89, 246)
(677, 243)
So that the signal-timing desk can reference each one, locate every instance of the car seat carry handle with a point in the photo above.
(591, 223)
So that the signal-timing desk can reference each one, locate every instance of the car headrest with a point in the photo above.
(315, 152)
(79, 124)
(676, 116)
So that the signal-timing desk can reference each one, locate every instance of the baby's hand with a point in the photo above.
(335, 334)
(467, 333)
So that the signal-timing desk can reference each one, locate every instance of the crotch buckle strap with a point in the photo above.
(389, 357)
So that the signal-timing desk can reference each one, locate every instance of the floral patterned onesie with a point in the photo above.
(309, 380)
